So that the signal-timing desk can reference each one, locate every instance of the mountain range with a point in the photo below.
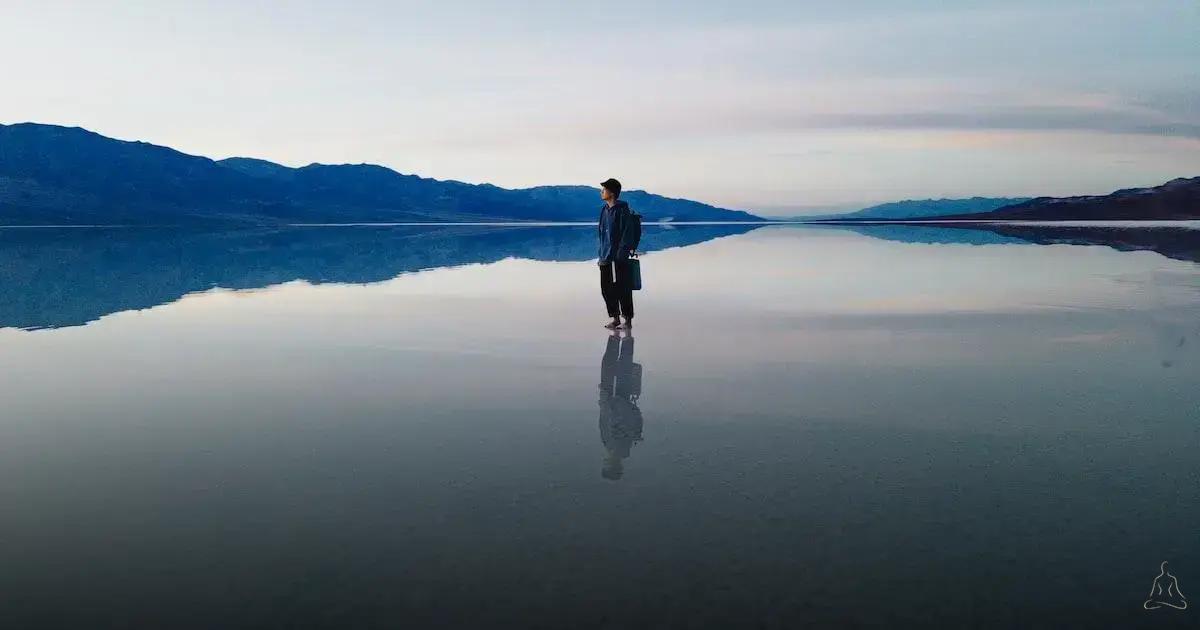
(53, 175)
(70, 176)
(1178, 199)
(919, 208)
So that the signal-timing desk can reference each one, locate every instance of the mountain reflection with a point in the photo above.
(620, 417)
(67, 277)
(1173, 242)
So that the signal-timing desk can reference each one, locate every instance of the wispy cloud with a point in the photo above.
(1026, 118)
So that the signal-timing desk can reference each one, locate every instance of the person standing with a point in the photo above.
(615, 281)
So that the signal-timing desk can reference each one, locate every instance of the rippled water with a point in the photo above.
(427, 427)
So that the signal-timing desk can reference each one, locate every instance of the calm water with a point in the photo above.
(413, 427)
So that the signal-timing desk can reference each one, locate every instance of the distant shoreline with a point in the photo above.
(251, 226)
(1194, 223)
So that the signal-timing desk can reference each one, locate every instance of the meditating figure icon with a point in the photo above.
(1165, 592)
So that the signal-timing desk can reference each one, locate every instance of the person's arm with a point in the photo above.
(604, 238)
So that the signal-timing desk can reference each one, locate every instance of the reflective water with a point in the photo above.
(427, 427)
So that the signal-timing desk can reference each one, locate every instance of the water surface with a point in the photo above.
(414, 426)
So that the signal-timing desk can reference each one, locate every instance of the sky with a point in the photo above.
(782, 107)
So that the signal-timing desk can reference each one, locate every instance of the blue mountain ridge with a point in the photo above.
(70, 176)
(916, 208)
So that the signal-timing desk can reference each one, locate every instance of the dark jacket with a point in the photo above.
(613, 222)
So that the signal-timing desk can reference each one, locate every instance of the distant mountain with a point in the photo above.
(1177, 199)
(67, 175)
(919, 208)
(649, 205)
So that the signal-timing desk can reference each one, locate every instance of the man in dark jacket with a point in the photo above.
(613, 254)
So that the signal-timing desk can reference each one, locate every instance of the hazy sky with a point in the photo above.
(780, 106)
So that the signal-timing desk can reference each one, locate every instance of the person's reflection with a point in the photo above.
(620, 418)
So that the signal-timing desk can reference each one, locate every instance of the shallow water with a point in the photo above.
(427, 427)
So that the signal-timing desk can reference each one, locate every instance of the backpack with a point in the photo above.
(633, 231)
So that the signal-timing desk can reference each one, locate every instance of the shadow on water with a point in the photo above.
(620, 417)
(67, 277)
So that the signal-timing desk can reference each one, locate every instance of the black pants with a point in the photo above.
(616, 288)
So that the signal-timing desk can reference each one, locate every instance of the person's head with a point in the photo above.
(610, 189)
